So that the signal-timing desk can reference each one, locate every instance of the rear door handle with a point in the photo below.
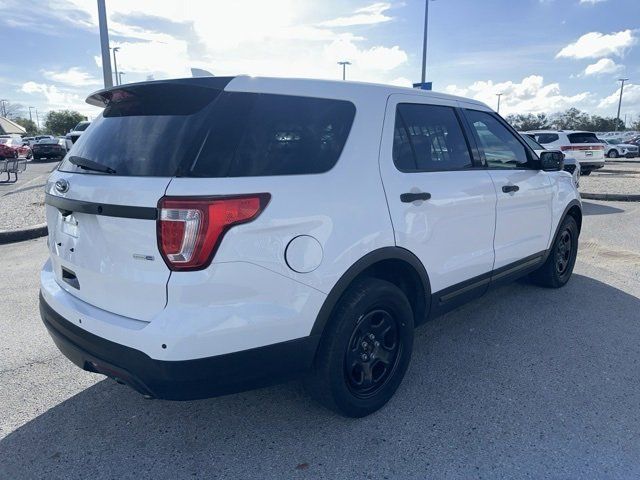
(412, 197)
(510, 188)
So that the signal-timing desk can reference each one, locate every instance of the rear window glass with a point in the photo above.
(260, 135)
(81, 127)
(543, 138)
(169, 130)
(583, 137)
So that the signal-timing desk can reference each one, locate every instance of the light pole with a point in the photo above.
(620, 101)
(37, 119)
(104, 44)
(4, 107)
(30, 117)
(499, 95)
(120, 78)
(344, 68)
(115, 64)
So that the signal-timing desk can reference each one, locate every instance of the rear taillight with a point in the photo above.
(190, 229)
(564, 148)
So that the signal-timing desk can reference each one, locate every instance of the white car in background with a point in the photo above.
(585, 147)
(571, 165)
(74, 134)
(614, 148)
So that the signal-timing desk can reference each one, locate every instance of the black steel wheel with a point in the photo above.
(557, 269)
(365, 349)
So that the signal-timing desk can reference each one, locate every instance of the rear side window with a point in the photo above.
(583, 137)
(543, 138)
(428, 138)
(260, 135)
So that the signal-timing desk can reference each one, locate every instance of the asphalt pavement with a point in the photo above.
(523, 383)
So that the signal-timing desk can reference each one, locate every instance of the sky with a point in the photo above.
(544, 56)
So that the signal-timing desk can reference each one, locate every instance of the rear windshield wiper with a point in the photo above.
(87, 164)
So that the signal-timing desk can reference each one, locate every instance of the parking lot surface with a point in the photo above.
(523, 383)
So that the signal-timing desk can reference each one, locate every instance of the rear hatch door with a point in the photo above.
(584, 147)
(102, 201)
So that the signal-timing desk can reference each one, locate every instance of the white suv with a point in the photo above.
(585, 147)
(210, 235)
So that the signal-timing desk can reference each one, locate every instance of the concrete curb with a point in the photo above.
(12, 236)
(611, 197)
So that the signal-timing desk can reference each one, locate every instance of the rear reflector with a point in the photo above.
(190, 229)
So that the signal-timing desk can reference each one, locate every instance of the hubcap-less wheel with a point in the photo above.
(373, 353)
(563, 252)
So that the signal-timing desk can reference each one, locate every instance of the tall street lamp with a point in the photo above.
(622, 80)
(120, 78)
(424, 42)
(104, 44)
(4, 107)
(344, 68)
(115, 64)
(30, 117)
(499, 95)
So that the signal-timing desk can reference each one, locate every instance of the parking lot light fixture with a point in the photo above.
(115, 65)
(344, 68)
(621, 80)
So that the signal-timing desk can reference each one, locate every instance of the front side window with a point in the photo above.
(428, 138)
(501, 148)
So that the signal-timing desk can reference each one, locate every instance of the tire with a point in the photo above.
(370, 334)
(613, 153)
(557, 269)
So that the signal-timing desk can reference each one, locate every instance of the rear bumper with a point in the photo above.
(591, 164)
(179, 380)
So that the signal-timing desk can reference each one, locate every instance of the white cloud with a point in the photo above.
(58, 99)
(604, 65)
(592, 2)
(596, 44)
(363, 16)
(531, 95)
(74, 77)
(630, 99)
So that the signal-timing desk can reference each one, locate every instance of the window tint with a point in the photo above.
(428, 138)
(501, 147)
(546, 137)
(258, 135)
(583, 137)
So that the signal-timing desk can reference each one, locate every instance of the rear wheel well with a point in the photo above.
(405, 277)
(576, 213)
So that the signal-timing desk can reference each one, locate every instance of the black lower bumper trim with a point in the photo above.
(180, 380)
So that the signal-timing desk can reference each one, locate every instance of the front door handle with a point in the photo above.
(412, 197)
(510, 188)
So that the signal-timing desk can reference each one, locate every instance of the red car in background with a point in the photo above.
(14, 147)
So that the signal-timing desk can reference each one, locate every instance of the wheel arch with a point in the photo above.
(394, 264)
(574, 209)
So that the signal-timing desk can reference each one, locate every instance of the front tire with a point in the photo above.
(365, 349)
(557, 269)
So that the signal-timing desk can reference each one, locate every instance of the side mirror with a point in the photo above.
(551, 160)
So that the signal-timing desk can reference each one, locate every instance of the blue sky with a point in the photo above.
(543, 55)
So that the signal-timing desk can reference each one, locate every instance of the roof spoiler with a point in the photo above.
(103, 97)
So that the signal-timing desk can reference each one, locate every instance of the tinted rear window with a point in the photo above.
(212, 134)
(145, 131)
(583, 137)
(543, 138)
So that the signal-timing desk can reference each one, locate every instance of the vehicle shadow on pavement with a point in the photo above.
(523, 382)
(589, 208)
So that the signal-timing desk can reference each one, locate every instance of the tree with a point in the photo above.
(636, 125)
(529, 121)
(572, 119)
(60, 122)
(11, 110)
(29, 125)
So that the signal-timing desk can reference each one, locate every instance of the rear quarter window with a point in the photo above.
(543, 138)
(264, 134)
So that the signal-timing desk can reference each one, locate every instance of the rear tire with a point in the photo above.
(557, 269)
(612, 154)
(365, 349)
